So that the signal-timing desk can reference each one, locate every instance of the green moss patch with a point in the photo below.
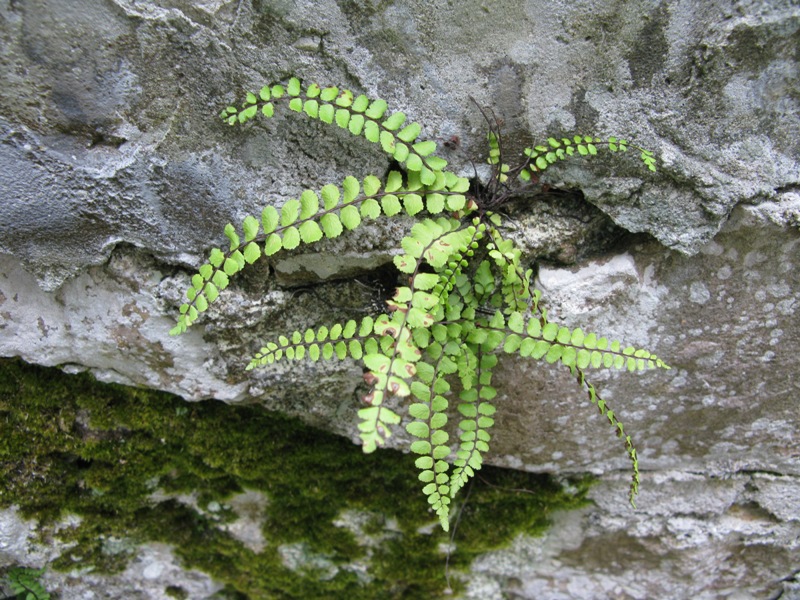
(71, 445)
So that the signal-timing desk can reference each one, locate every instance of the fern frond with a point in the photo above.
(602, 406)
(541, 339)
(435, 242)
(557, 343)
(24, 583)
(477, 410)
(429, 419)
(391, 363)
(514, 292)
(359, 115)
(495, 158)
(351, 339)
(375, 426)
(389, 370)
(542, 156)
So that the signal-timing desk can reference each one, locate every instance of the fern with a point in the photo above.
(466, 296)
(25, 585)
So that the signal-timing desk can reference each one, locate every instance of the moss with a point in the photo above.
(70, 445)
(175, 591)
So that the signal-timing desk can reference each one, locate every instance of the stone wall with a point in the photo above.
(117, 176)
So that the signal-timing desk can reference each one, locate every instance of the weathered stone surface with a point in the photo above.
(724, 320)
(144, 579)
(718, 538)
(116, 178)
(109, 133)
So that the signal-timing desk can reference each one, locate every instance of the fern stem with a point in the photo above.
(602, 406)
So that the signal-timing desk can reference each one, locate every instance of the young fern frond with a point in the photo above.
(464, 297)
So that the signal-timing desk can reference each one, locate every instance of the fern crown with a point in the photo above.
(465, 298)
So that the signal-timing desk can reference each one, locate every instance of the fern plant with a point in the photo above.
(25, 585)
(466, 295)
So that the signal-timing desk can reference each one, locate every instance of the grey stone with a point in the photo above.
(713, 537)
(143, 579)
(109, 135)
(117, 177)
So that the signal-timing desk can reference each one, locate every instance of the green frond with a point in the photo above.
(353, 339)
(477, 410)
(430, 418)
(495, 157)
(432, 241)
(540, 157)
(494, 148)
(307, 220)
(528, 337)
(357, 114)
(514, 290)
(24, 583)
(390, 366)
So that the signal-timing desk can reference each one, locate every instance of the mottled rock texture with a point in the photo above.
(116, 177)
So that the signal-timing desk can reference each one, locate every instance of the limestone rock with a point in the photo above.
(117, 177)
(716, 538)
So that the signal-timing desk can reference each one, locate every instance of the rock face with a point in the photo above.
(117, 177)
